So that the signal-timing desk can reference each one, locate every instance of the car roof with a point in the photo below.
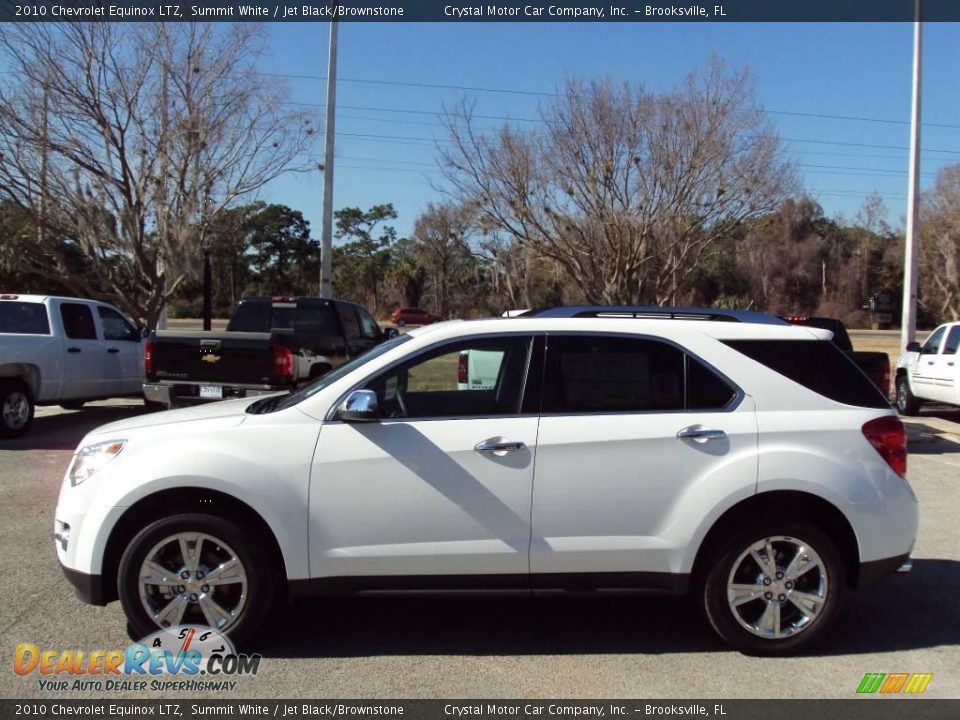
(639, 326)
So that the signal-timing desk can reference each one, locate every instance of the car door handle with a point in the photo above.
(73, 349)
(950, 363)
(113, 350)
(499, 445)
(699, 434)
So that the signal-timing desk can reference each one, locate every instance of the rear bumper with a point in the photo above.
(189, 393)
(874, 570)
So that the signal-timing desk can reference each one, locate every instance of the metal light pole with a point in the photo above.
(908, 323)
(326, 247)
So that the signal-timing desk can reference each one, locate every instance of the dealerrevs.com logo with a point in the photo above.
(187, 658)
(894, 683)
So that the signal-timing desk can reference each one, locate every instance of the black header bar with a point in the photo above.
(617, 11)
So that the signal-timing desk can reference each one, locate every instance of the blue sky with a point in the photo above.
(849, 69)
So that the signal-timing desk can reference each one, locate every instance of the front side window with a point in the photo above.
(438, 383)
(953, 341)
(368, 325)
(932, 344)
(115, 325)
(78, 321)
(594, 373)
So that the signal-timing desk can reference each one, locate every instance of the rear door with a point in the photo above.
(629, 426)
(946, 371)
(124, 353)
(924, 367)
(84, 355)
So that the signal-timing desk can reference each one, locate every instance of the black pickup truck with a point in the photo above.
(270, 344)
(875, 365)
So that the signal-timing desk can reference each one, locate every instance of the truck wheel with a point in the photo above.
(775, 588)
(196, 568)
(16, 408)
(907, 402)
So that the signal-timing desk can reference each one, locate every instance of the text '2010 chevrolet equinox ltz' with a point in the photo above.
(748, 462)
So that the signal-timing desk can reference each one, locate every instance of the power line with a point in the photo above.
(540, 93)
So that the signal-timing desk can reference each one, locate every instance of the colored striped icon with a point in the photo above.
(894, 683)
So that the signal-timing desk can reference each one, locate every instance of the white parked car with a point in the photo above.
(63, 351)
(930, 372)
(750, 464)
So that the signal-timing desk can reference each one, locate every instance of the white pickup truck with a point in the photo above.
(63, 351)
(930, 372)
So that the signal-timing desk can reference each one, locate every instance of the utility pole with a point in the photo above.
(326, 247)
(908, 323)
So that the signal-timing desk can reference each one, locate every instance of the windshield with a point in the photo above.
(280, 402)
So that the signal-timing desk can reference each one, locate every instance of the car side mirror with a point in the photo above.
(390, 333)
(360, 406)
(914, 347)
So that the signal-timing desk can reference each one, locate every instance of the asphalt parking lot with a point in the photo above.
(459, 647)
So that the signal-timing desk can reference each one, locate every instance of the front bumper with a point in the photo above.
(89, 588)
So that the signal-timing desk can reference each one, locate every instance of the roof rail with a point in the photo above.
(656, 312)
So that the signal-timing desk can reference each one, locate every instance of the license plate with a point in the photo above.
(212, 392)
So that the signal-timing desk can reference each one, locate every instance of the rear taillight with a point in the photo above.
(462, 369)
(886, 377)
(889, 438)
(282, 362)
(148, 356)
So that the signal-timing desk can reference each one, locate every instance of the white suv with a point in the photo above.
(750, 463)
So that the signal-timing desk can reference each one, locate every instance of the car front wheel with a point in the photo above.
(195, 568)
(16, 408)
(907, 402)
(775, 590)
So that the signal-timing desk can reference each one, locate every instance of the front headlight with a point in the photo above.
(90, 459)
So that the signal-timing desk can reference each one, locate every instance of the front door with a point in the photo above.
(441, 486)
(123, 353)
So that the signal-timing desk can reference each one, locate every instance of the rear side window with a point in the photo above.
(818, 365)
(315, 319)
(23, 318)
(617, 374)
(348, 317)
(78, 321)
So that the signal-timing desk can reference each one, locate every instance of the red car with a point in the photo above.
(413, 316)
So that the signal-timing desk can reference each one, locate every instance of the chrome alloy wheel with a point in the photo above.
(193, 577)
(16, 410)
(777, 587)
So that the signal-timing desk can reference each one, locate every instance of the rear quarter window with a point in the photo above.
(818, 365)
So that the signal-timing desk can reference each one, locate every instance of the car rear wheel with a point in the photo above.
(195, 568)
(16, 408)
(907, 402)
(775, 590)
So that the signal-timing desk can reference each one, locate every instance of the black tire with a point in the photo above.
(16, 408)
(223, 538)
(401, 323)
(72, 404)
(907, 403)
(800, 634)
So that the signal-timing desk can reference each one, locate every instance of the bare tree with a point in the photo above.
(123, 139)
(441, 245)
(940, 244)
(626, 190)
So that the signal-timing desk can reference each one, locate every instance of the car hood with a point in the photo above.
(224, 410)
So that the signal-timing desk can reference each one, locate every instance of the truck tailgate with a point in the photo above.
(220, 358)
